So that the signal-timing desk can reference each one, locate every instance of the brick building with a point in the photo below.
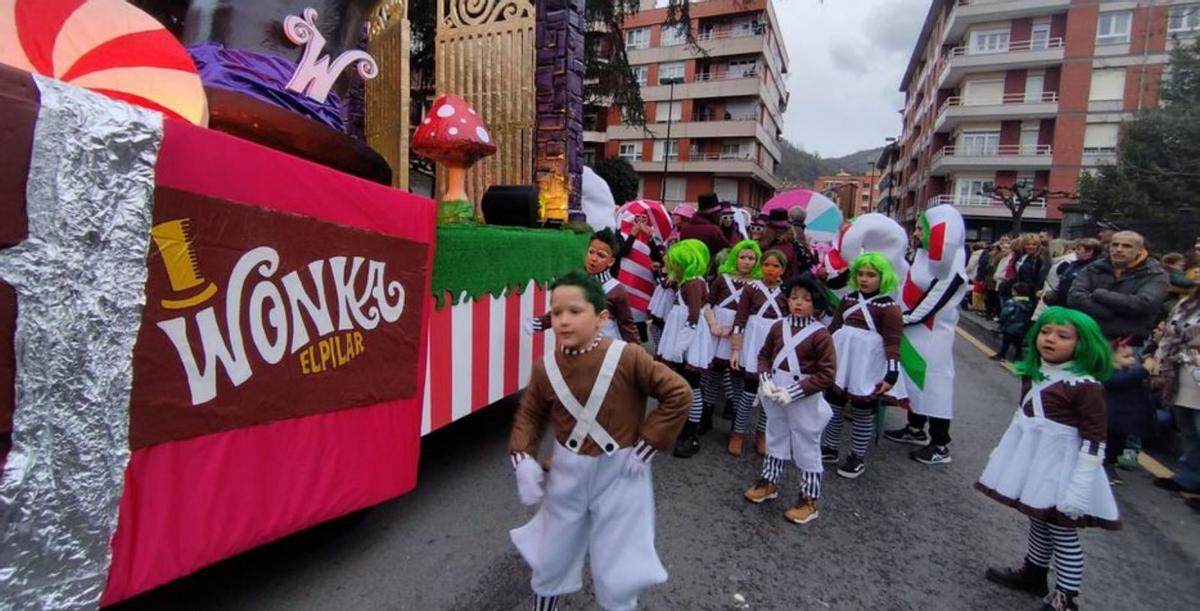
(852, 192)
(725, 110)
(1033, 92)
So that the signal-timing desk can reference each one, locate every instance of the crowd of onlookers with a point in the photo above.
(1147, 305)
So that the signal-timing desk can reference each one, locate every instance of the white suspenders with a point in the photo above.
(585, 415)
(610, 284)
(862, 305)
(734, 294)
(770, 302)
(790, 342)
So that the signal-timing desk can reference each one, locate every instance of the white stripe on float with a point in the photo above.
(460, 376)
(631, 266)
(496, 337)
(426, 403)
(525, 350)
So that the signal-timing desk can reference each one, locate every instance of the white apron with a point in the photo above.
(794, 429)
(682, 344)
(757, 327)
(862, 362)
(610, 328)
(661, 301)
(591, 507)
(723, 346)
(1035, 460)
(927, 351)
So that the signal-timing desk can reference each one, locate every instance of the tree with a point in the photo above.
(1158, 159)
(621, 178)
(1018, 197)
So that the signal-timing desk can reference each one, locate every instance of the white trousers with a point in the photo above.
(592, 508)
(794, 429)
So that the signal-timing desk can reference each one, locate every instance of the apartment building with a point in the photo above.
(1028, 93)
(723, 109)
(852, 192)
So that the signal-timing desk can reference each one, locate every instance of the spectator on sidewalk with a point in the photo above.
(1032, 264)
(1124, 291)
(1178, 361)
(1001, 269)
(1180, 285)
(1130, 409)
(1063, 272)
(1015, 315)
(976, 296)
(703, 225)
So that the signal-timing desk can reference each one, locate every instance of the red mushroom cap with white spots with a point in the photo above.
(451, 133)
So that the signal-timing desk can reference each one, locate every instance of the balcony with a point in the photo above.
(961, 61)
(1005, 157)
(713, 163)
(1013, 106)
(710, 85)
(714, 44)
(967, 13)
(979, 206)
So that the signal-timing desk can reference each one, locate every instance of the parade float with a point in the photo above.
(223, 318)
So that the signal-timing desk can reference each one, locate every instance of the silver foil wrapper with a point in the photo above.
(80, 280)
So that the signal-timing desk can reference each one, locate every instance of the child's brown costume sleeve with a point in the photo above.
(890, 324)
(820, 363)
(662, 425)
(618, 308)
(529, 422)
(1093, 413)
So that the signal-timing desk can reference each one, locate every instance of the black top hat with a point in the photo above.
(708, 202)
(778, 218)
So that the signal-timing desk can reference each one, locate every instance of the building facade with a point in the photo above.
(852, 192)
(1026, 93)
(724, 110)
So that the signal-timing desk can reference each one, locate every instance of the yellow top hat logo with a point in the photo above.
(174, 241)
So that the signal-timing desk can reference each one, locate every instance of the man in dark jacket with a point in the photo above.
(1122, 291)
(703, 225)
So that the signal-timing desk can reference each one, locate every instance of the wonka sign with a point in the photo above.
(255, 315)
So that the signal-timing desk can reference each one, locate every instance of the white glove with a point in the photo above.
(638, 464)
(533, 325)
(1075, 502)
(529, 479)
(794, 392)
(775, 393)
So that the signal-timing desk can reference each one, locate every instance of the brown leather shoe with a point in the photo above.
(760, 443)
(803, 512)
(762, 490)
(735, 444)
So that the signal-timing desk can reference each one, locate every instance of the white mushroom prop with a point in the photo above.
(455, 136)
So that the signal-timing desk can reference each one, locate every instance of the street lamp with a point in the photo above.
(890, 142)
(667, 145)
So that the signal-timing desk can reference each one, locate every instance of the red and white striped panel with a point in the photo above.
(478, 353)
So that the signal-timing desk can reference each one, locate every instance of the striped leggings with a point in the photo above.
(1062, 543)
(810, 481)
(741, 416)
(863, 428)
(696, 412)
(717, 381)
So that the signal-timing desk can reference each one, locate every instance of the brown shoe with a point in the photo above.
(762, 490)
(735, 444)
(803, 512)
(760, 443)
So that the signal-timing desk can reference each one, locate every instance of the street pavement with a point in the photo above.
(901, 536)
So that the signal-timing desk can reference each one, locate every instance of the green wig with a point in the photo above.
(1092, 355)
(687, 259)
(888, 280)
(729, 265)
(592, 291)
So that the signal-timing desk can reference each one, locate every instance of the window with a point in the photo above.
(978, 143)
(741, 68)
(673, 35)
(640, 74)
(1034, 86)
(589, 156)
(994, 41)
(1114, 28)
(734, 150)
(676, 189)
(726, 189)
(977, 93)
(672, 148)
(970, 191)
(1039, 37)
(1108, 84)
(1101, 138)
(664, 110)
(1184, 18)
(629, 150)
(638, 38)
(672, 70)
(1031, 132)
(741, 109)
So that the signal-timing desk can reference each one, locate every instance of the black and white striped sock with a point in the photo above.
(741, 417)
(736, 385)
(1068, 558)
(697, 410)
(710, 384)
(762, 419)
(831, 437)
(862, 429)
(772, 469)
(545, 603)
(1041, 546)
(810, 484)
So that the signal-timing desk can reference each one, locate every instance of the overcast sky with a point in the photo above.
(847, 57)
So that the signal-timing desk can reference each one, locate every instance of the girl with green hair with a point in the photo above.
(1049, 463)
(762, 304)
(686, 345)
(741, 266)
(866, 327)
